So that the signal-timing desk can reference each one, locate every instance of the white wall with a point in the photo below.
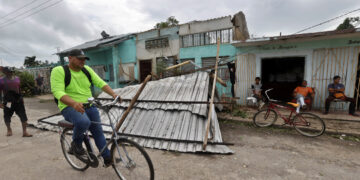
(205, 26)
(145, 54)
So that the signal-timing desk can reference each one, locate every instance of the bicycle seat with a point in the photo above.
(65, 124)
(293, 104)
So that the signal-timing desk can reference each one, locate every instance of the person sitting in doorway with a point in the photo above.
(336, 91)
(301, 94)
(256, 90)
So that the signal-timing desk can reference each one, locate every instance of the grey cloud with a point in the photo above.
(41, 33)
(265, 17)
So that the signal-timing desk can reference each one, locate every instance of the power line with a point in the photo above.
(327, 21)
(16, 20)
(16, 10)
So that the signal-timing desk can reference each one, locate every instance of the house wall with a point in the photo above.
(323, 59)
(205, 26)
(199, 52)
(107, 56)
(147, 54)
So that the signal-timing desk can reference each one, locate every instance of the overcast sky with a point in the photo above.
(71, 22)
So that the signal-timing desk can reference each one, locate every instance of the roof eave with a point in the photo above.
(285, 39)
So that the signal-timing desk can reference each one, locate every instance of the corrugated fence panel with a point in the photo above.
(326, 64)
(245, 75)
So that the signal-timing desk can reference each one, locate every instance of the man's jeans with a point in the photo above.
(82, 122)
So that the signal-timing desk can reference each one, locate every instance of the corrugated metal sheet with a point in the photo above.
(170, 121)
(328, 62)
(245, 75)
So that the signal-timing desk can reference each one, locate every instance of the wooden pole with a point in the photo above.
(219, 80)
(212, 96)
(134, 99)
(177, 65)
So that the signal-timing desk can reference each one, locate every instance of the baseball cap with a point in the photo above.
(78, 53)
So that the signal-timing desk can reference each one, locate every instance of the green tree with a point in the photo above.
(27, 83)
(30, 61)
(348, 23)
(171, 21)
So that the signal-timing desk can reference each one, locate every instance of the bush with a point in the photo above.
(27, 83)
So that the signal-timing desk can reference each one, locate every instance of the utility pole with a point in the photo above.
(61, 60)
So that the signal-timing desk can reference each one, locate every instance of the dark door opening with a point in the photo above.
(282, 74)
(145, 69)
(357, 90)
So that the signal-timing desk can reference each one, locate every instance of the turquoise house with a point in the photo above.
(198, 43)
(113, 58)
(283, 62)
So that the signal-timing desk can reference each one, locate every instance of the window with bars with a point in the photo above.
(187, 67)
(206, 38)
(162, 63)
(223, 72)
(157, 43)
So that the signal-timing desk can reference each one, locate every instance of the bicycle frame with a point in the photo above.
(274, 106)
(113, 139)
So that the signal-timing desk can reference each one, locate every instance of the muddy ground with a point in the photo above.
(267, 153)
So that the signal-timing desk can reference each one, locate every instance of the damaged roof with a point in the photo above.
(167, 126)
(99, 43)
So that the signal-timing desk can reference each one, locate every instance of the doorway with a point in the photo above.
(145, 68)
(357, 85)
(283, 74)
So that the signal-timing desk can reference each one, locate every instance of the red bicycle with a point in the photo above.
(307, 124)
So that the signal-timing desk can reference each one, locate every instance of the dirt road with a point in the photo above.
(259, 154)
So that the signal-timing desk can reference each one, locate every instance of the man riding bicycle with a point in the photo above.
(73, 95)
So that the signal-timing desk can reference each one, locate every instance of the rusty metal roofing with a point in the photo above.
(168, 126)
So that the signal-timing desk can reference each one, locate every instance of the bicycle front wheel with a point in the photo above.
(131, 160)
(265, 118)
(65, 141)
(309, 124)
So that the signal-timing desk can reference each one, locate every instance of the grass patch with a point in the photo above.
(346, 137)
(239, 113)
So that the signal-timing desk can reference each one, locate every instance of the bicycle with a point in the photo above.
(123, 151)
(307, 124)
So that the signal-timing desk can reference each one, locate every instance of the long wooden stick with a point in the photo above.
(212, 96)
(134, 99)
(219, 80)
(177, 65)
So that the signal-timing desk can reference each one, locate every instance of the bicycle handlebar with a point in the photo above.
(92, 100)
(266, 93)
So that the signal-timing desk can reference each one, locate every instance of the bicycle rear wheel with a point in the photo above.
(131, 160)
(265, 118)
(65, 140)
(309, 124)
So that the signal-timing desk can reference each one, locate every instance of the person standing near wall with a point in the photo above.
(232, 71)
(39, 83)
(12, 101)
